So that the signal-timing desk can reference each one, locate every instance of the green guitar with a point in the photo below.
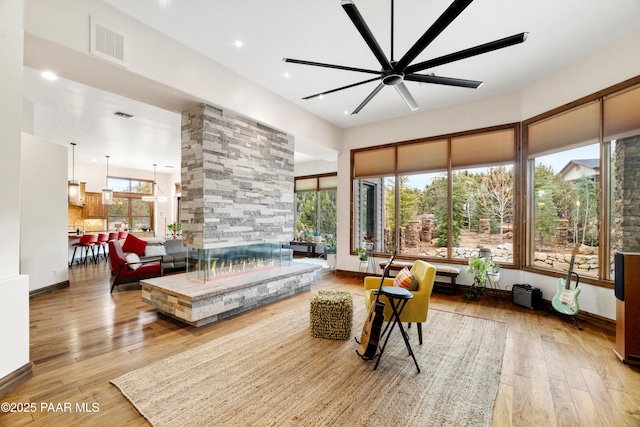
(566, 299)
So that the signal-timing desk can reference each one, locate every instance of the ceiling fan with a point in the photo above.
(395, 73)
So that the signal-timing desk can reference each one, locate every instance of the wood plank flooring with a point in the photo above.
(82, 337)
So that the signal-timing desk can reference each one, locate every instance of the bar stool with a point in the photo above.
(122, 235)
(103, 238)
(87, 242)
(113, 235)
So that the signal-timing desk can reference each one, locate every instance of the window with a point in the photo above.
(316, 211)
(438, 198)
(581, 161)
(128, 211)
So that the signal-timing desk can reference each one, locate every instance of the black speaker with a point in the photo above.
(618, 283)
(526, 296)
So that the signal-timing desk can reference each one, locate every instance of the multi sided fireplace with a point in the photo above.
(206, 265)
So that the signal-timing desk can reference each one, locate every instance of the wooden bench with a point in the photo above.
(439, 285)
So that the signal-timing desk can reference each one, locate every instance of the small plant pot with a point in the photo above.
(331, 260)
(493, 278)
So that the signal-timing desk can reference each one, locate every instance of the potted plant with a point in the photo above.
(479, 267)
(494, 274)
(174, 228)
(362, 254)
(317, 238)
(330, 251)
(369, 240)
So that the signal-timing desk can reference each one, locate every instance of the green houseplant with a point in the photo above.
(479, 267)
(362, 254)
(174, 228)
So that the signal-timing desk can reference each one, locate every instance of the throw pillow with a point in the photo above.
(403, 278)
(132, 259)
(134, 245)
(155, 250)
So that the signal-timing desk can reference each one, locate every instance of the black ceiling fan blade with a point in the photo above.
(351, 10)
(337, 67)
(441, 23)
(467, 53)
(448, 81)
(406, 96)
(368, 98)
(342, 88)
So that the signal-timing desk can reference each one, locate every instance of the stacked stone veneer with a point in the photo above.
(626, 224)
(237, 180)
(198, 304)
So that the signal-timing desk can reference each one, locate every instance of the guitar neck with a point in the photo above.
(567, 282)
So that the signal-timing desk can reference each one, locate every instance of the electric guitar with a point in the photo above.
(373, 325)
(566, 299)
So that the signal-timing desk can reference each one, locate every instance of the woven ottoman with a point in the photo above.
(331, 315)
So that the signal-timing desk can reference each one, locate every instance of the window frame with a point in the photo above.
(604, 277)
(365, 152)
(317, 188)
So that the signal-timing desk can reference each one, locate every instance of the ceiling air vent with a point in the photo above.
(123, 115)
(107, 43)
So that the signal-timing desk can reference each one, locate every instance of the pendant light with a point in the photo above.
(74, 186)
(155, 197)
(107, 193)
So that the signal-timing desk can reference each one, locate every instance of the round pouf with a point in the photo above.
(331, 315)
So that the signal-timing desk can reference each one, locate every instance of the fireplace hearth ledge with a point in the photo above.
(198, 304)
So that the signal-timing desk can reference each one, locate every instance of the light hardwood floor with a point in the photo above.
(81, 337)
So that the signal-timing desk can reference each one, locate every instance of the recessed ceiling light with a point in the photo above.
(286, 75)
(238, 43)
(321, 97)
(49, 75)
(346, 112)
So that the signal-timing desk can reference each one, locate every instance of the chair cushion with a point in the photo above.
(405, 279)
(155, 250)
(132, 259)
(135, 245)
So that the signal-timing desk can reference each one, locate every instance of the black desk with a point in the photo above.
(311, 247)
(398, 298)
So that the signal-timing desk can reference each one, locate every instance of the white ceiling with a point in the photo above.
(560, 33)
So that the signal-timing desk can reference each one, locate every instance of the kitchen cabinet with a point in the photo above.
(93, 207)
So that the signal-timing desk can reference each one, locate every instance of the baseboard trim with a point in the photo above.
(48, 289)
(609, 325)
(15, 378)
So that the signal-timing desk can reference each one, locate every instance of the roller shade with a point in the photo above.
(316, 183)
(480, 149)
(306, 184)
(423, 157)
(328, 182)
(374, 163)
(575, 128)
(622, 115)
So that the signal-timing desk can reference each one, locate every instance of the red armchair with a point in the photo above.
(129, 272)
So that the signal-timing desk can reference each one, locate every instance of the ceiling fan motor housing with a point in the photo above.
(392, 78)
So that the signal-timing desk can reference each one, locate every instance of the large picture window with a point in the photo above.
(442, 198)
(316, 209)
(578, 169)
(128, 211)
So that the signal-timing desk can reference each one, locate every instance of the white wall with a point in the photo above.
(14, 288)
(43, 219)
(66, 24)
(601, 70)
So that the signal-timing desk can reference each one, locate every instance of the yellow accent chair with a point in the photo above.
(417, 307)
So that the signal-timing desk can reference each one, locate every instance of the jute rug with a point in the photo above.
(276, 374)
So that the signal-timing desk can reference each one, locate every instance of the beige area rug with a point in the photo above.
(276, 374)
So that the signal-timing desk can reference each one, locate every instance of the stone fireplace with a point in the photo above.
(206, 265)
(237, 207)
(237, 180)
